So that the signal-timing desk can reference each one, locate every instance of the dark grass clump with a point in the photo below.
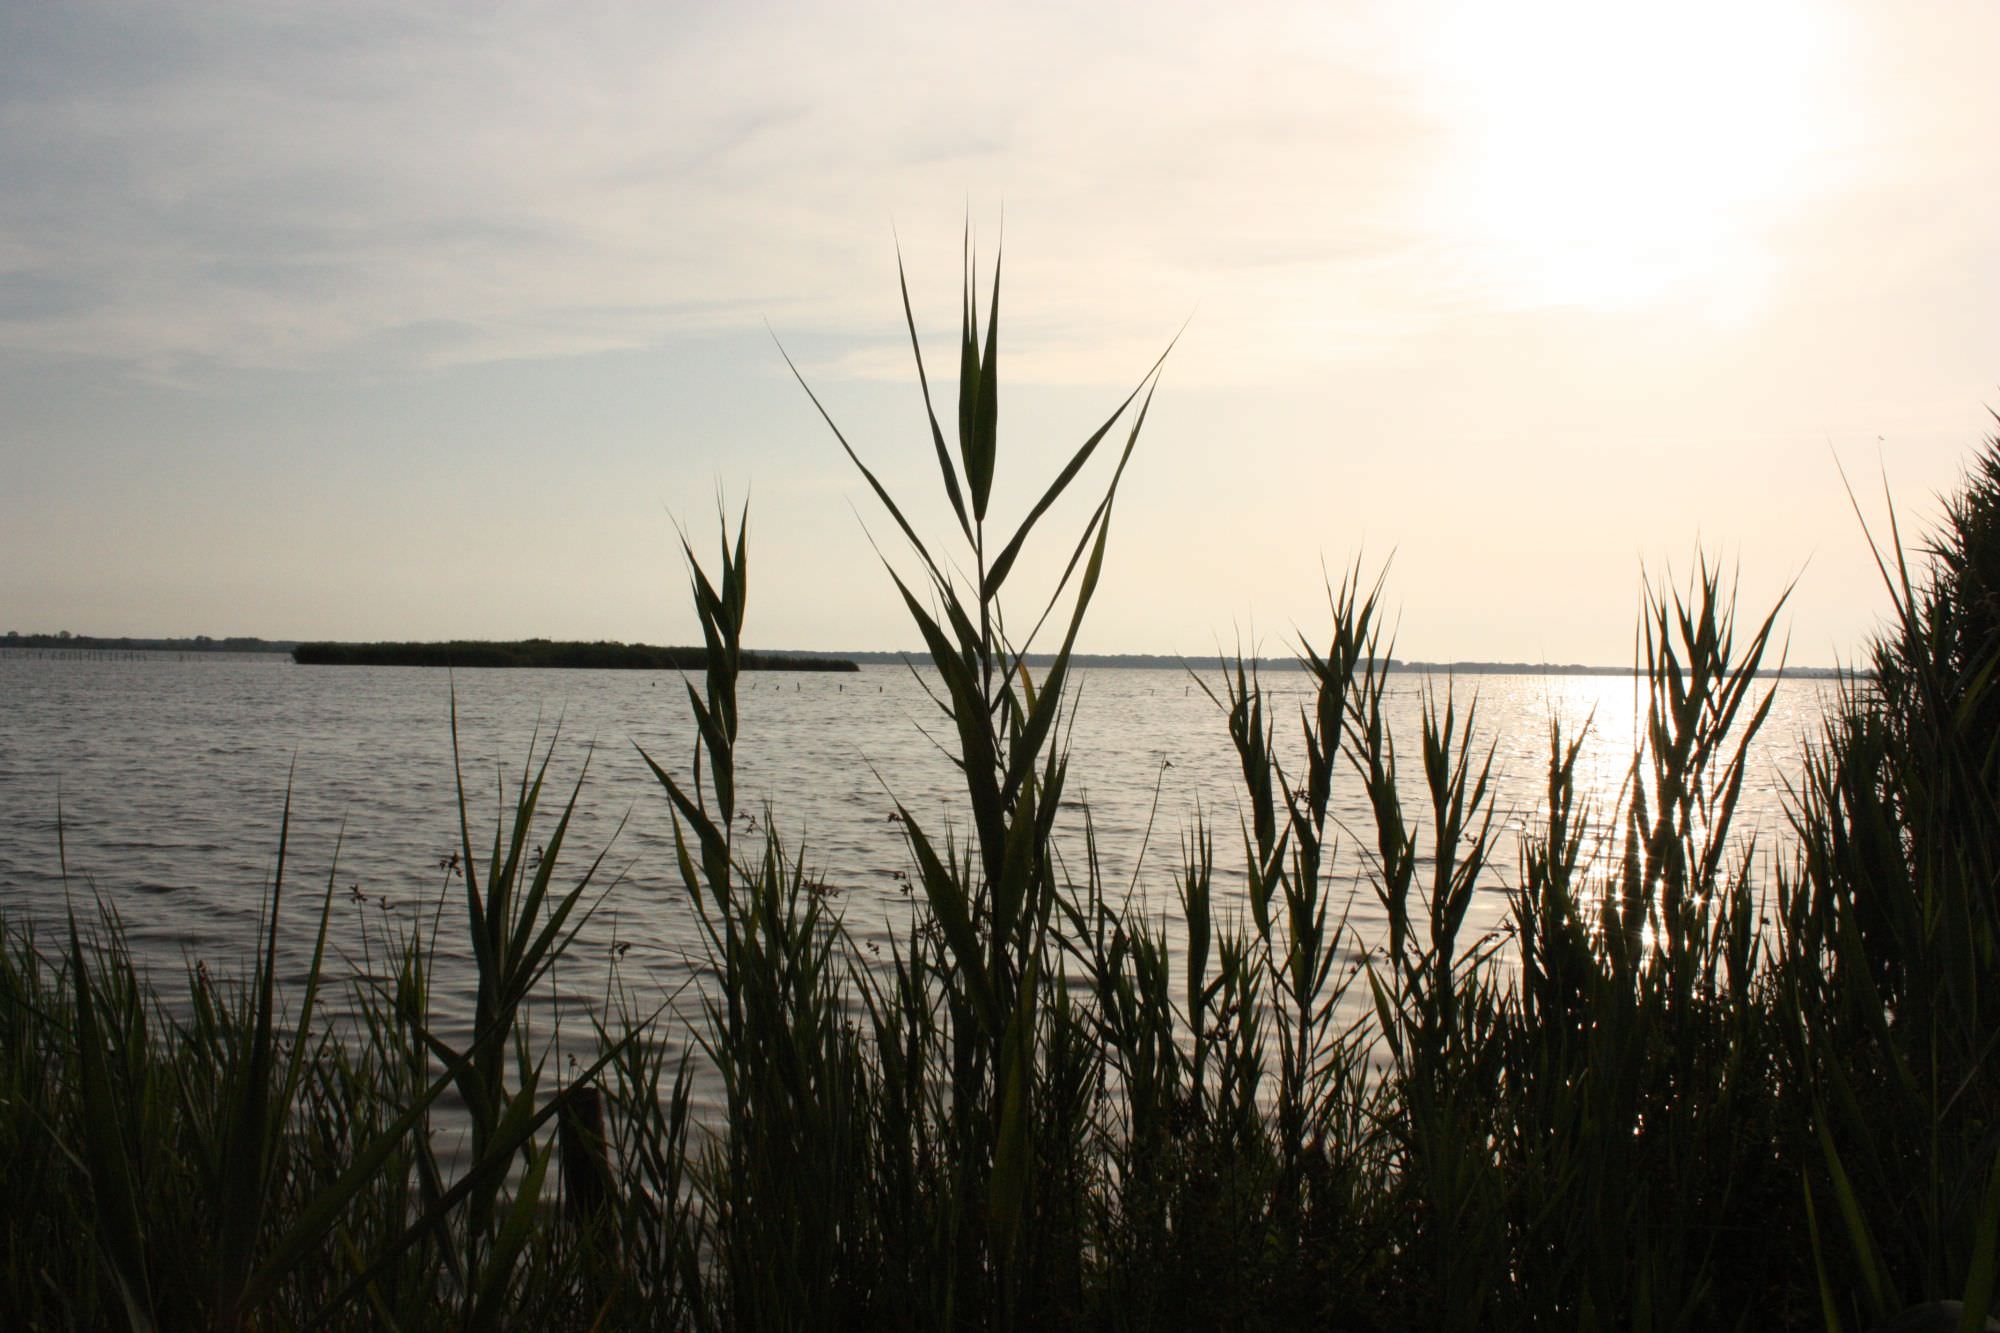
(1892, 969)
(1697, 1083)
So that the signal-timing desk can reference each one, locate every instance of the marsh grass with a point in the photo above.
(1679, 1091)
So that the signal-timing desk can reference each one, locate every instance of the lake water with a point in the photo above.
(170, 776)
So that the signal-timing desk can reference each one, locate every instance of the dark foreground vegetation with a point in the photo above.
(601, 656)
(1701, 1084)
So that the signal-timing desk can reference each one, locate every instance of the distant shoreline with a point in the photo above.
(542, 653)
(199, 643)
(611, 655)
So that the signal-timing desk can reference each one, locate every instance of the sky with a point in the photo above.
(386, 321)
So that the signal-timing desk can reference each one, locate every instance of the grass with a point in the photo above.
(1701, 1084)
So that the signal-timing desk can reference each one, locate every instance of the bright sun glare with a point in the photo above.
(1608, 156)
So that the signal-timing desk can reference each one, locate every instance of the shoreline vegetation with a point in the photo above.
(199, 643)
(602, 655)
(1699, 1081)
(611, 654)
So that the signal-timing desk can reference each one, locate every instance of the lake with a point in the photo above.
(168, 778)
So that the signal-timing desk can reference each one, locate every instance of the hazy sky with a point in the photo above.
(411, 321)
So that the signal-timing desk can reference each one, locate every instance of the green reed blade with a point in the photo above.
(114, 1193)
(945, 467)
(874, 484)
(997, 575)
(948, 899)
(1089, 529)
(1042, 716)
(968, 367)
(1859, 1236)
(980, 444)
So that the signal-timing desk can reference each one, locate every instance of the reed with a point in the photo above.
(1696, 1082)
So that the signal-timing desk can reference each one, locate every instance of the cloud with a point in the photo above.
(279, 185)
(202, 188)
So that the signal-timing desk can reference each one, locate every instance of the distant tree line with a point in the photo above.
(545, 653)
(200, 643)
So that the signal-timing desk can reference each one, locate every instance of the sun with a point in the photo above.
(1605, 156)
